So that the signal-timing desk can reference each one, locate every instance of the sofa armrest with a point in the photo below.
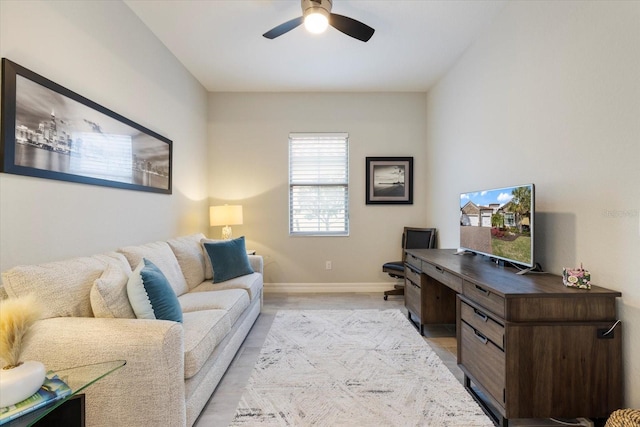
(148, 390)
(257, 263)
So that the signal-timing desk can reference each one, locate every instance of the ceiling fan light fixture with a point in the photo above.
(316, 15)
(316, 22)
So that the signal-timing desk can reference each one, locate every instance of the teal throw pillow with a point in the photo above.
(151, 295)
(229, 259)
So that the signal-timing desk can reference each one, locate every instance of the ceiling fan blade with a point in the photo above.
(351, 27)
(283, 28)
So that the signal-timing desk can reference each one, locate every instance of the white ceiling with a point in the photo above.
(220, 42)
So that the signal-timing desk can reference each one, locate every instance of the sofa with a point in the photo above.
(172, 367)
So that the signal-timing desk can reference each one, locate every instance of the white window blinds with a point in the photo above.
(319, 184)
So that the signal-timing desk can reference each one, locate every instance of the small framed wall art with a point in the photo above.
(389, 180)
(48, 131)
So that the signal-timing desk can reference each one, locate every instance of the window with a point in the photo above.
(319, 184)
(509, 219)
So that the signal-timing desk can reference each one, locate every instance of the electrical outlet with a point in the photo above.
(327, 265)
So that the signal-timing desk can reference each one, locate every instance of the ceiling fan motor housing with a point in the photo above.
(316, 6)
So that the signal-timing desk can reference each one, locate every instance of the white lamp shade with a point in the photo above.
(225, 215)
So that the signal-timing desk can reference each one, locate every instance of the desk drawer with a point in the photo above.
(483, 361)
(411, 274)
(450, 280)
(414, 262)
(484, 297)
(484, 324)
(412, 297)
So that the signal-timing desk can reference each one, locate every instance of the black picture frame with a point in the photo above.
(389, 180)
(49, 131)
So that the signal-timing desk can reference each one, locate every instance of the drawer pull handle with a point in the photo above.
(480, 337)
(483, 290)
(440, 269)
(412, 268)
(481, 315)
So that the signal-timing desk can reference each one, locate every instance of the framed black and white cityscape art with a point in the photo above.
(389, 180)
(49, 131)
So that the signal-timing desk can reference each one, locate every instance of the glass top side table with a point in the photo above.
(77, 378)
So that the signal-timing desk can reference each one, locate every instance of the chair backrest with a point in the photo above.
(418, 238)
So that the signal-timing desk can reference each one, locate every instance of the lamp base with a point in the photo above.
(226, 232)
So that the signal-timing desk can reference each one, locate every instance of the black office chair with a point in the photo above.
(412, 238)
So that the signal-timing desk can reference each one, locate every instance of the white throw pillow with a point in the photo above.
(138, 297)
(109, 294)
(188, 252)
(160, 254)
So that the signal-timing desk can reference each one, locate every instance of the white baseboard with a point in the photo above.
(291, 288)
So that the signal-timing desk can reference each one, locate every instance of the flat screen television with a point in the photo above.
(499, 223)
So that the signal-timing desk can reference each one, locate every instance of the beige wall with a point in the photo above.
(551, 95)
(248, 164)
(101, 50)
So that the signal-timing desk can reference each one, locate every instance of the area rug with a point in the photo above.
(352, 368)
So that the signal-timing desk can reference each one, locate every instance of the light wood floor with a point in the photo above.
(221, 407)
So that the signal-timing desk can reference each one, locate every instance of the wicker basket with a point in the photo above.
(624, 418)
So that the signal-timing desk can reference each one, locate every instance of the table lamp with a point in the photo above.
(226, 216)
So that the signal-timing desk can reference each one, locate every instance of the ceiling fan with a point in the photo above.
(316, 15)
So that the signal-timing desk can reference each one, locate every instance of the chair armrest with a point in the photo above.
(148, 390)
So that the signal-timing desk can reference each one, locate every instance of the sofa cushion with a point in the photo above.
(109, 294)
(252, 283)
(208, 269)
(203, 331)
(234, 301)
(151, 295)
(115, 258)
(160, 254)
(72, 278)
(191, 257)
(228, 259)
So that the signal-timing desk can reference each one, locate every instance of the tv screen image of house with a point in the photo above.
(499, 223)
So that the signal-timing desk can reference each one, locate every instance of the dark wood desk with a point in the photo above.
(533, 347)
